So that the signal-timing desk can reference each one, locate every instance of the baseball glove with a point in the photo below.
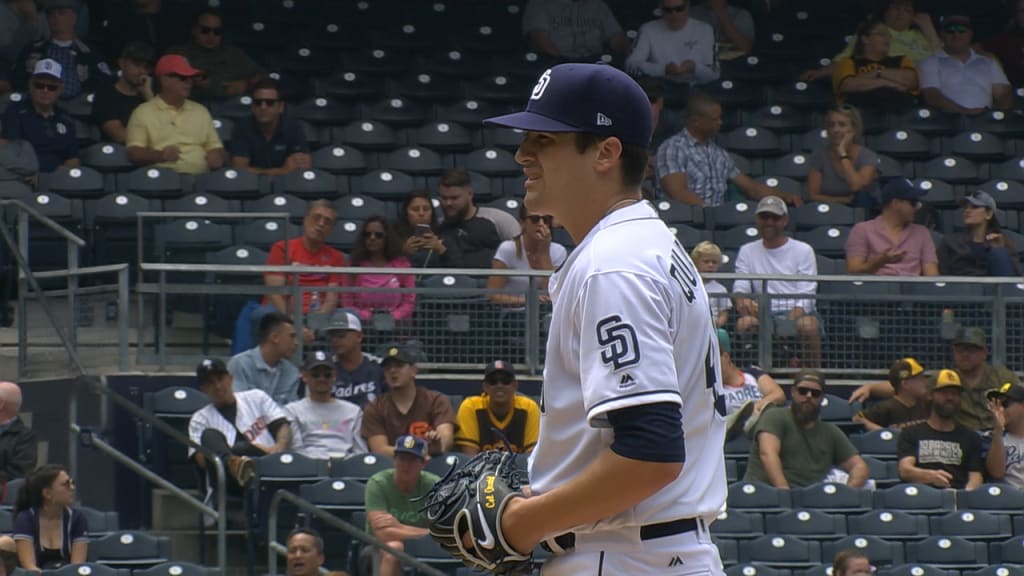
(464, 512)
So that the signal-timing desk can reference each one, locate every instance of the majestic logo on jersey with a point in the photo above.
(675, 561)
(619, 345)
(542, 85)
(627, 381)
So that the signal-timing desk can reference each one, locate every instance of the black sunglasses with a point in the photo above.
(500, 381)
(181, 78)
(812, 392)
(675, 9)
(321, 373)
(536, 218)
(210, 30)
(373, 234)
(45, 86)
(268, 102)
(1006, 402)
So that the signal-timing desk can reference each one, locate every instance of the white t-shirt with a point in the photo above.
(506, 254)
(736, 396)
(717, 303)
(657, 45)
(631, 326)
(793, 257)
(326, 429)
(255, 411)
(969, 84)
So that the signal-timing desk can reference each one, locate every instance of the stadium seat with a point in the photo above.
(783, 184)
(819, 570)
(303, 59)
(828, 241)
(793, 166)
(890, 167)
(779, 118)
(444, 136)
(997, 570)
(132, 550)
(903, 145)
(85, 569)
(376, 61)
(113, 227)
(359, 467)
(107, 157)
(83, 182)
(972, 525)
(914, 498)
(358, 208)
(263, 233)
(47, 249)
(929, 122)
(811, 140)
(225, 128)
(806, 524)
(509, 205)
(889, 524)
(365, 135)
(738, 524)
(752, 569)
(731, 214)
(948, 552)
(454, 63)
(781, 551)
(689, 236)
(335, 495)
(880, 551)
(673, 212)
(880, 444)
(232, 184)
(831, 497)
(463, 326)
(998, 122)
(814, 214)
(349, 85)
(751, 68)
(734, 94)
(281, 471)
(503, 138)
(952, 169)
(441, 464)
(813, 95)
(310, 184)
(396, 111)
(293, 206)
(735, 237)
(1006, 193)
(414, 160)
(427, 550)
(975, 145)
(345, 235)
(470, 112)
(728, 550)
(996, 498)
(188, 240)
(914, 570)
(499, 88)
(1010, 551)
(757, 497)
(153, 182)
(386, 184)
(6, 520)
(100, 522)
(937, 192)
(175, 406)
(752, 141)
(174, 569)
(199, 203)
(1010, 170)
(493, 162)
(830, 266)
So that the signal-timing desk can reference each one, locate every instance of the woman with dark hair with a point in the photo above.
(378, 247)
(49, 533)
(870, 78)
(417, 229)
(532, 249)
(982, 250)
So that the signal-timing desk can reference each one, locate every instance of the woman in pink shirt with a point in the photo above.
(379, 247)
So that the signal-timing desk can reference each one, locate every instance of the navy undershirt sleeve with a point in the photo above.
(650, 432)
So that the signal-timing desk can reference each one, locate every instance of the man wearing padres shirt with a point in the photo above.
(498, 414)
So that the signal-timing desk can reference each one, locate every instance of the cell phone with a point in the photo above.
(422, 229)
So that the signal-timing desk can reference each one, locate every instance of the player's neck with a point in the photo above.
(582, 221)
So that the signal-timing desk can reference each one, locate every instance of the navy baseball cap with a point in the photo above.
(318, 358)
(901, 189)
(595, 98)
(412, 445)
(210, 369)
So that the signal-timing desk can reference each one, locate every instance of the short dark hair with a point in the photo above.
(206, 11)
(634, 157)
(456, 177)
(402, 226)
(699, 103)
(318, 540)
(269, 324)
(266, 83)
(320, 203)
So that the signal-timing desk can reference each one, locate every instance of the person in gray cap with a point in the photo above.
(359, 376)
(777, 253)
(323, 426)
(982, 249)
(892, 244)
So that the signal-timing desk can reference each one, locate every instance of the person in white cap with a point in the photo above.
(41, 122)
(777, 253)
(359, 377)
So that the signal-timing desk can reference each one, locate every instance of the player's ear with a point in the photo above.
(609, 151)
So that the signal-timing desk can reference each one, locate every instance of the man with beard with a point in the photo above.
(793, 448)
(469, 234)
(939, 451)
(114, 103)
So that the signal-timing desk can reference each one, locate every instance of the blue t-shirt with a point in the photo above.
(74, 528)
(248, 142)
(53, 137)
(362, 385)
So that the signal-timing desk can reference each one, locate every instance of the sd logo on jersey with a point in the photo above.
(620, 346)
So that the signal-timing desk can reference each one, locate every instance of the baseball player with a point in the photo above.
(628, 470)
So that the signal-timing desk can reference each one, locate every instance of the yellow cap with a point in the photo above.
(947, 378)
(915, 369)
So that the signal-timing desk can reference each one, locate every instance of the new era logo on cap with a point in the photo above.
(603, 120)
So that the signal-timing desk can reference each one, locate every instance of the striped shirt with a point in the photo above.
(708, 167)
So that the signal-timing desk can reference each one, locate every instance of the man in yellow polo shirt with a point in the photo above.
(171, 131)
(486, 421)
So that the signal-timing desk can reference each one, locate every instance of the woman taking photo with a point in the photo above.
(49, 533)
(843, 170)
(417, 230)
(982, 250)
(873, 79)
(531, 250)
(379, 247)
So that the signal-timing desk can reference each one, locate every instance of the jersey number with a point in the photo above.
(619, 345)
(711, 380)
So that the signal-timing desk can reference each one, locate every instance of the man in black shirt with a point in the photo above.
(270, 142)
(114, 103)
(939, 451)
(469, 234)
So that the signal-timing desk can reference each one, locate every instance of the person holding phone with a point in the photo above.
(416, 228)
(114, 103)
(532, 249)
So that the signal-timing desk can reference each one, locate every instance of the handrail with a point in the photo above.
(334, 522)
(45, 220)
(99, 386)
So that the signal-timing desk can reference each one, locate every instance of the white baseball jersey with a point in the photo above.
(255, 411)
(631, 325)
(326, 429)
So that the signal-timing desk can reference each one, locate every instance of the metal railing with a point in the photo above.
(866, 321)
(275, 548)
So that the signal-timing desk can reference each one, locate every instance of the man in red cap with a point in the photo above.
(172, 131)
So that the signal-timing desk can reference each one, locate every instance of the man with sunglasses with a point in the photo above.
(892, 244)
(1005, 461)
(939, 451)
(487, 421)
(39, 121)
(675, 47)
(323, 426)
(172, 131)
(958, 79)
(226, 70)
(113, 104)
(794, 448)
(271, 142)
